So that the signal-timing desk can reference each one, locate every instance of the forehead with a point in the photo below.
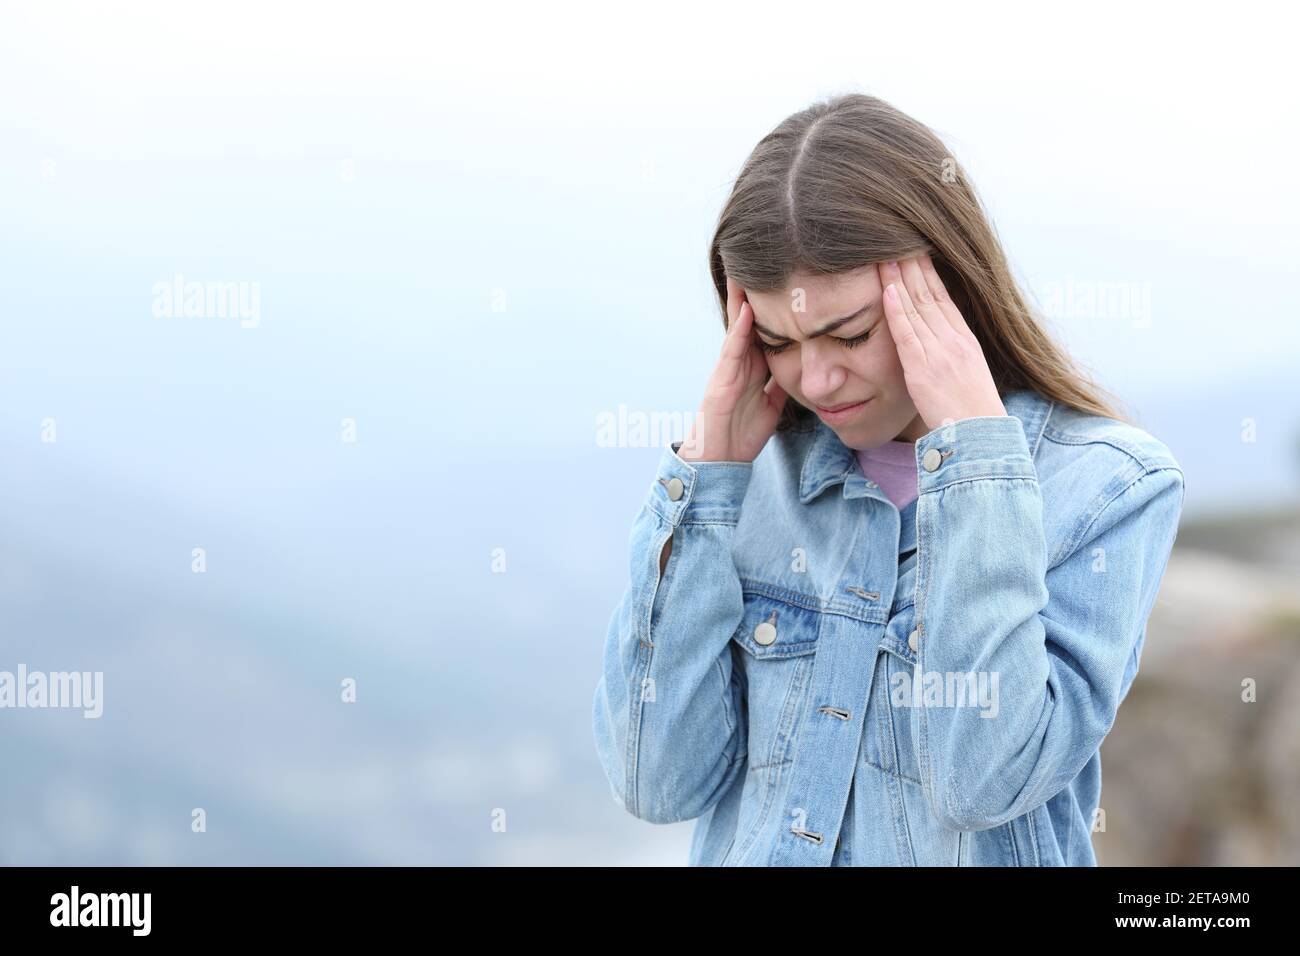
(807, 299)
(833, 289)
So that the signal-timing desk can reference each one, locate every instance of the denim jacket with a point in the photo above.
(823, 680)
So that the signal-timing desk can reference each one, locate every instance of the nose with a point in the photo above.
(822, 375)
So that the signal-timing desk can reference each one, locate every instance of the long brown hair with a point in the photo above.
(852, 181)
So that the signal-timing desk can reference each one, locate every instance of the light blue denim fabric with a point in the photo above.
(794, 679)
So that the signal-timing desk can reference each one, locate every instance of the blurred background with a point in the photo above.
(456, 244)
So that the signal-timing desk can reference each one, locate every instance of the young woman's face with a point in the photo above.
(823, 364)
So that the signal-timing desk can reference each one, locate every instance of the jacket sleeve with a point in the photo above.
(667, 711)
(1057, 644)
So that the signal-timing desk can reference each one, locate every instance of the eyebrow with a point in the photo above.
(828, 327)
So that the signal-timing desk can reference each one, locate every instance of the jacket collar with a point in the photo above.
(829, 461)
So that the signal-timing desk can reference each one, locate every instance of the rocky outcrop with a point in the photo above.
(1202, 766)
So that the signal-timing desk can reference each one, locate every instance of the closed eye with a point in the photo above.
(847, 343)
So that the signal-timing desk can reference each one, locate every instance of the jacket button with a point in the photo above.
(914, 641)
(765, 633)
(930, 460)
(675, 488)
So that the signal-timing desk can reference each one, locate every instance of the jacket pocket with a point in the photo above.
(774, 647)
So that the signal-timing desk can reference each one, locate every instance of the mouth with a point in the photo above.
(840, 413)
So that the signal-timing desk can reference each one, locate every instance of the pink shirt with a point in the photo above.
(893, 467)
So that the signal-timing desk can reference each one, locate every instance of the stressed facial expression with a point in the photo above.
(828, 344)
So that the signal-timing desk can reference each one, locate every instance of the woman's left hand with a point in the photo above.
(943, 364)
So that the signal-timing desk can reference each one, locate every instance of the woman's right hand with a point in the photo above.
(742, 403)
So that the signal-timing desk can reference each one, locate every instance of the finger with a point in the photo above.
(892, 273)
(911, 351)
(738, 341)
(735, 296)
(919, 325)
(941, 296)
(918, 292)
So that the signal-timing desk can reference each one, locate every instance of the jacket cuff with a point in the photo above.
(986, 446)
(705, 492)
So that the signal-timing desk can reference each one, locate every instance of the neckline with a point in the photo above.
(890, 452)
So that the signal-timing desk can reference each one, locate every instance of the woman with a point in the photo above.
(886, 599)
